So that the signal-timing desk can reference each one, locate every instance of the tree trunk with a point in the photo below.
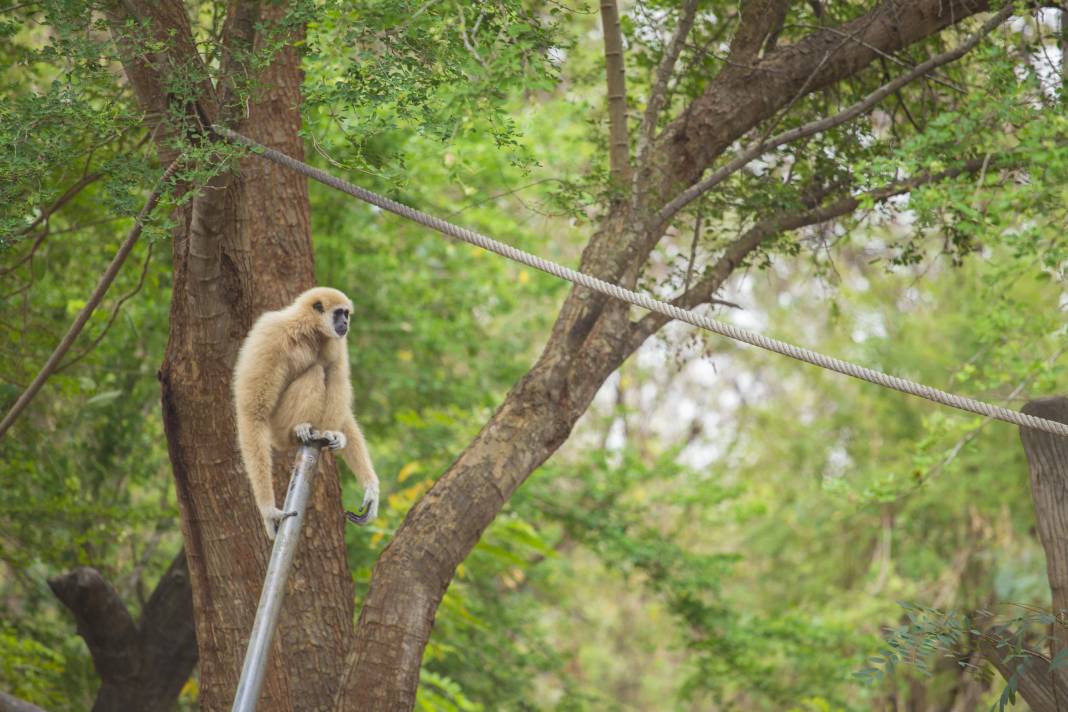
(241, 246)
(260, 258)
(1047, 458)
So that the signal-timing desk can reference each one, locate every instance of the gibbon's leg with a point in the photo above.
(354, 452)
(254, 439)
(300, 409)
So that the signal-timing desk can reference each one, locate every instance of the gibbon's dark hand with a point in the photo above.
(368, 510)
(273, 518)
(334, 440)
(304, 432)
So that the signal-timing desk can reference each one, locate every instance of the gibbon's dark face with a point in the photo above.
(332, 308)
(341, 321)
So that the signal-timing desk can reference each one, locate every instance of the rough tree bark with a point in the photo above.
(241, 246)
(1037, 685)
(1047, 458)
(142, 665)
(592, 336)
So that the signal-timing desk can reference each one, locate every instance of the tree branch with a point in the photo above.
(763, 231)
(615, 74)
(153, 73)
(759, 25)
(1041, 690)
(10, 703)
(141, 665)
(94, 300)
(658, 93)
(102, 618)
(820, 125)
(740, 97)
(238, 40)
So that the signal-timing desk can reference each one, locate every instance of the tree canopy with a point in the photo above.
(584, 506)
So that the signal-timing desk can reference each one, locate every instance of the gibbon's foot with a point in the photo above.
(368, 510)
(272, 519)
(334, 440)
(304, 432)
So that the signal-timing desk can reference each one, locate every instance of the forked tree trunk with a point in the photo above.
(258, 257)
(241, 246)
(244, 246)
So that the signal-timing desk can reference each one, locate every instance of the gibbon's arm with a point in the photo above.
(359, 461)
(353, 449)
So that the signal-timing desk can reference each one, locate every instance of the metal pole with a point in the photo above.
(274, 584)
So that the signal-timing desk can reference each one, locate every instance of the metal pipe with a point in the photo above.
(274, 584)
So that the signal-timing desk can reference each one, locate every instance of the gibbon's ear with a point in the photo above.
(318, 306)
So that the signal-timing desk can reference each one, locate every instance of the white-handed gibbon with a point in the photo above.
(291, 384)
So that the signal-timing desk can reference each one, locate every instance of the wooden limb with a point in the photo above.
(92, 303)
(814, 127)
(658, 93)
(1047, 459)
(759, 26)
(238, 40)
(10, 703)
(103, 621)
(812, 214)
(615, 74)
(1036, 683)
(165, 24)
(143, 665)
(742, 96)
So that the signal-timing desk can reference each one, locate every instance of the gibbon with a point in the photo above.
(291, 384)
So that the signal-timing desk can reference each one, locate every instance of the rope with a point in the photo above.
(646, 302)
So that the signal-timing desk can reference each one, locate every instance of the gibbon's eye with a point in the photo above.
(318, 306)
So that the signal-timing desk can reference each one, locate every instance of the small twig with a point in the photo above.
(503, 194)
(815, 127)
(658, 94)
(886, 55)
(693, 251)
(94, 299)
(114, 314)
(47, 213)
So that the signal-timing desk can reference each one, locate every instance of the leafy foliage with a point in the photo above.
(724, 529)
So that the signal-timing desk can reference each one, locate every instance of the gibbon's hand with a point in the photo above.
(273, 518)
(334, 440)
(369, 508)
(304, 432)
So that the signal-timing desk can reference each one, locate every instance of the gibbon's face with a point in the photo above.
(333, 309)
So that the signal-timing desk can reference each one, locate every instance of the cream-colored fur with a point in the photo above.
(292, 376)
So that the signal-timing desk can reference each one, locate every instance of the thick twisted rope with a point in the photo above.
(646, 302)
